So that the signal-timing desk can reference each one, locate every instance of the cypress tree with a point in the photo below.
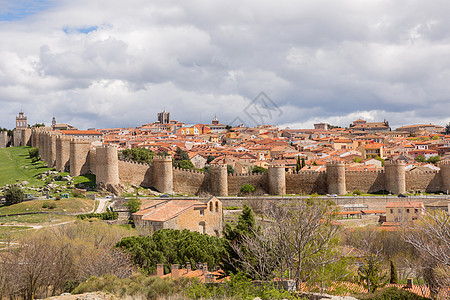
(298, 166)
(393, 278)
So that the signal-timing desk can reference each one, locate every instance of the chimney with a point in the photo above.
(409, 283)
(205, 268)
(175, 271)
(160, 270)
(188, 267)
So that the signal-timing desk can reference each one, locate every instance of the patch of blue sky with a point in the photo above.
(12, 10)
(84, 30)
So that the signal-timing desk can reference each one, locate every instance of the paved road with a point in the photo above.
(101, 204)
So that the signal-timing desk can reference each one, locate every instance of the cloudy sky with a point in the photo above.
(95, 63)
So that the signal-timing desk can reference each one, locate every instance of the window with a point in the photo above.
(202, 212)
(416, 210)
(210, 206)
(407, 210)
(217, 206)
(392, 211)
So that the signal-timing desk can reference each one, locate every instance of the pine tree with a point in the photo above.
(393, 278)
(303, 162)
(298, 166)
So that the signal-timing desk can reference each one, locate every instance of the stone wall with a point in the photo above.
(258, 181)
(365, 182)
(4, 139)
(423, 181)
(190, 181)
(135, 173)
(306, 183)
(79, 157)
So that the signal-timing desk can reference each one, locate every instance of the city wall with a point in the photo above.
(79, 157)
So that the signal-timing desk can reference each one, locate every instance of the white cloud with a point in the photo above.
(105, 64)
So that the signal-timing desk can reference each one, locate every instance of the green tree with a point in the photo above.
(380, 159)
(434, 159)
(447, 129)
(303, 162)
(234, 234)
(186, 164)
(209, 159)
(370, 273)
(133, 205)
(298, 165)
(13, 194)
(258, 169)
(247, 189)
(37, 125)
(181, 154)
(140, 155)
(230, 169)
(393, 278)
(33, 153)
(420, 158)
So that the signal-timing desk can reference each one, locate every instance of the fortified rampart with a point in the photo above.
(78, 157)
(4, 139)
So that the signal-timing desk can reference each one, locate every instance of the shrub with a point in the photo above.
(356, 192)
(391, 293)
(45, 205)
(77, 194)
(247, 189)
(133, 205)
(109, 215)
(13, 195)
(33, 153)
(52, 206)
(57, 197)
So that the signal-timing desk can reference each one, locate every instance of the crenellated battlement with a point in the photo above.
(188, 170)
(162, 158)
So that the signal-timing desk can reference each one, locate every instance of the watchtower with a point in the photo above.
(107, 166)
(445, 175)
(219, 180)
(51, 149)
(336, 178)
(21, 121)
(395, 179)
(277, 179)
(79, 152)
(163, 174)
(62, 153)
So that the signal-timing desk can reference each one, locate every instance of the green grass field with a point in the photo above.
(71, 205)
(15, 164)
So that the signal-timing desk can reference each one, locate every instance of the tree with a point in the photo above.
(303, 162)
(186, 164)
(230, 169)
(430, 236)
(447, 129)
(209, 159)
(181, 154)
(258, 169)
(247, 189)
(13, 195)
(234, 234)
(298, 165)
(133, 205)
(434, 159)
(370, 273)
(141, 155)
(393, 278)
(420, 158)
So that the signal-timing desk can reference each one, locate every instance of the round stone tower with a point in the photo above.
(45, 149)
(219, 180)
(445, 175)
(163, 174)
(395, 179)
(336, 178)
(51, 150)
(34, 136)
(62, 153)
(41, 144)
(107, 166)
(79, 152)
(277, 179)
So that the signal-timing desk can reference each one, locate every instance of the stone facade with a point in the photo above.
(163, 174)
(445, 176)
(79, 155)
(107, 158)
(62, 153)
(219, 180)
(336, 178)
(4, 139)
(277, 180)
(395, 179)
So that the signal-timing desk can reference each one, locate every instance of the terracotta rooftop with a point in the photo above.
(171, 209)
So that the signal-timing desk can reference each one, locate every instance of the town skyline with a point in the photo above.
(102, 65)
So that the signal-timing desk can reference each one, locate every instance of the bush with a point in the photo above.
(57, 197)
(133, 205)
(109, 215)
(258, 169)
(247, 189)
(34, 153)
(77, 194)
(356, 192)
(52, 206)
(13, 195)
(45, 205)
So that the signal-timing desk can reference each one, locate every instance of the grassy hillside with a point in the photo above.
(73, 205)
(15, 164)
